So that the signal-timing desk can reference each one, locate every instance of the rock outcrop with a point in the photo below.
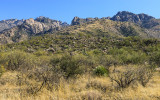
(131, 17)
(123, 23)
(143, 20)
(77, 20)
(30, 27)
(7, 24)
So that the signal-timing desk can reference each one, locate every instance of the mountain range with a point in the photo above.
(123, 24)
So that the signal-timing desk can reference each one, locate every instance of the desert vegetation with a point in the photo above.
(80, 67)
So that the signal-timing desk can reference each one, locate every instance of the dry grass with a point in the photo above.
(85, 87)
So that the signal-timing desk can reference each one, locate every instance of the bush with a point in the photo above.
(155, 57)
(108, 60)
(101, 71)
(144, 75)
(124, 78)
(49, 77)
(128, 56)
(40, 53)
(2, 70)
(69, 65)
(17, 60)
(94, 95)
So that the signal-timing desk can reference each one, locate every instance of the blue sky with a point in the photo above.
(65, 10)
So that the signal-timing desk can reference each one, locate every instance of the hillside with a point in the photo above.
(80, 66)
(109, 28)
(28, 28)
(123, 24)
(8, 24)
(147, 26)
(92, 59)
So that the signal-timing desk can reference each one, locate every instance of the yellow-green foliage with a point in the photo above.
(17, 60)
(70, 65)
(60, 66)
(2, 70)
(101, 71)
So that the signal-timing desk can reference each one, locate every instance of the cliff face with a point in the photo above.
(42, 24)
(131, 17)
(143, 20)
(77, 20)
(122, 24)
(7, 24)
(30, 27)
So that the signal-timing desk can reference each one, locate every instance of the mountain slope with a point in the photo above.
(108, 28)
(147, 25)
(143, 20)
(7, 24)
(30, 27)
(123, 24)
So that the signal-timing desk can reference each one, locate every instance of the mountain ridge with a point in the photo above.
(29, 27)
(124, 23)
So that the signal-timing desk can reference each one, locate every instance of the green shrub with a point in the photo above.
(2, 70)
(107, 60)
(155, 57)
(101, 71)
(17, 60)
(69, 65)
(128, 56)
(40, 53)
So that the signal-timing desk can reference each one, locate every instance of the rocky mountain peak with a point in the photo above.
(44, 19)
(47, 20)
(7, 24)
(29, 27)
(29, 21)
(131, 17)
(76, 20)
(142, 19)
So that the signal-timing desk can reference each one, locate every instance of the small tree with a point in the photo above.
(2, 70)
(129, 75)
(17, 60)
(124, 79)
(144, 75)
(48, 77)
(69, 65)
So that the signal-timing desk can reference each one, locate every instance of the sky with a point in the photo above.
(65, 10)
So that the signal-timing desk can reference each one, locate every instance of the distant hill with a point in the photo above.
(123, 24)
(28, 28)
(143, 20)
(7, 24)
(148, 25)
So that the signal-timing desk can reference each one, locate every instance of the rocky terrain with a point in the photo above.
(28, 28)
(148, 25)
(143, 20)
(92, 59)
(122, 24)
(7, 24)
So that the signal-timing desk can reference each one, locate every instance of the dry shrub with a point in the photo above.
(124, 78)
(97, 85)
(93, 95)
(70, 65)
(17, 60)
(130, 75)
(144, 74)
(46, 77)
